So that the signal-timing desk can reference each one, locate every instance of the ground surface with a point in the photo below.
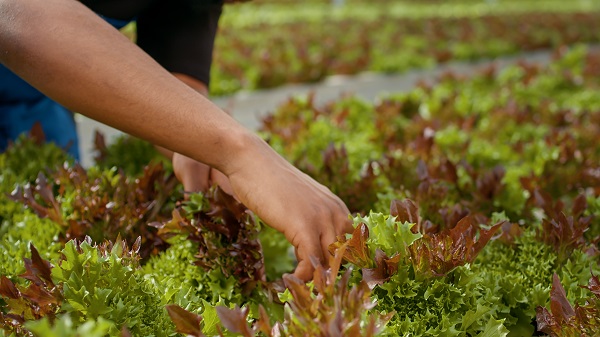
(249, 107)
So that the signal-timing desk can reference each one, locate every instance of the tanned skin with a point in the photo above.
(71, 55)
(194, 175)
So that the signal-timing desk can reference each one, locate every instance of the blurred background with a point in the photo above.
(269, 50)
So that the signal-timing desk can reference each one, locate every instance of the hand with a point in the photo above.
(306, 212)
(198, 177)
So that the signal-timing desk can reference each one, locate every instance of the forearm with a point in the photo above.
(70, 54)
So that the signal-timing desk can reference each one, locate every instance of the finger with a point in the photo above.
(341, 219)
(216, 177)
(304, 271)
(346, 226)
(307, 246)
(327, 238)
(193, 175)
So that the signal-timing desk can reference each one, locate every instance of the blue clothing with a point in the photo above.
(117, 23)
(21, 106)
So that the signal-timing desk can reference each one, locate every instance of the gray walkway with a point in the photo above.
(249, 107)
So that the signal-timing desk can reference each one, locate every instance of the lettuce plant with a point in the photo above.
(21, 163)
(327, 306)
(41, 298)
(93, 285)
(21, 231)
(128, 153)
(425, 280)
(563, 319)
(102, 204)
(226, 233)
(101, 281)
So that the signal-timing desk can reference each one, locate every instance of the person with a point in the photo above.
(71, 55)
(178, 34)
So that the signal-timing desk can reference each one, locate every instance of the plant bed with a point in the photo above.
(476, 205)
(267, 45)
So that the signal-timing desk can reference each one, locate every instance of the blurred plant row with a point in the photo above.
(262, 45)
(476, 207)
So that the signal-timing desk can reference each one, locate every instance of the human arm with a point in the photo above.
(71, 55)
(195, 176)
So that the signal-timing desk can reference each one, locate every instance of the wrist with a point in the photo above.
(241, 147)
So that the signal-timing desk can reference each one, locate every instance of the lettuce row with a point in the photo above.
(516, 115)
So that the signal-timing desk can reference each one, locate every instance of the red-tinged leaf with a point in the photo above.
(374, 276)
(405, 211)
(439, 253)
(37, 133)
(114, 204)
(510, 231)
(136, 245)
(45, 191)
(451, 216)
(545, 321)
(579, 206)
(335, 261)
(100, 147)
(353, 331)
(8, 289)
(564, 320)
(594, 285)
(37, 270)
(331, 307)
(176, 225)
(489, 184)
(15, 320)
(43, 267)
(342, 283)
(559, 305)
(263, 323)
(358, 194)
(385, 268)
(40, 296)
(392, 263)
(564, 233)
(544, 200)
(23, 195)
(320, 279)
(422, 170)
(125, 332)
(484, 238)
(300, 293)
(227, 237)
(235, 320)
(11, 322)
(185, 322)
(355, 249)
